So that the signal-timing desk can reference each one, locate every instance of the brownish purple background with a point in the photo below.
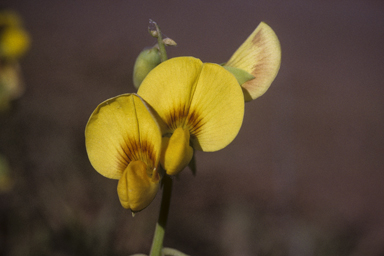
(303, 177)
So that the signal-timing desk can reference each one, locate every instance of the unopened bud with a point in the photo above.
(147, 60)
(153, 28)
(153, 33)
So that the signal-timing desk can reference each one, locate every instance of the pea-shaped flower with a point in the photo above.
(199, 105)
(185, 105)
(123, 142)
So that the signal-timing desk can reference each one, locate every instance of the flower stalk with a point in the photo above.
(154, 30)
(158, 238)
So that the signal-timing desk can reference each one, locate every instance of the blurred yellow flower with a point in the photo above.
(198, 105)
(260, 57)
(14, 40)
(123, 141)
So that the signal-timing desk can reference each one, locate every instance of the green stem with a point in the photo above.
(163, 52)
(158, 238)
(157, 243)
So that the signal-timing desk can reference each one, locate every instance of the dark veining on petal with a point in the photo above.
(195, 123)
(132, 151)
(177, 116)
(181, 117)
(257, 39)
(261, 65)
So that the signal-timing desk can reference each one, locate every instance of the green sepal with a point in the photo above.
(241, 75)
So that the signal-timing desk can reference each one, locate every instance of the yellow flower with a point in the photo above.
(198, 105)
(123, 142)
(185, 104)
(260, 56)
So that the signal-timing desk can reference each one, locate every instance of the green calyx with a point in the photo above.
(241, 75)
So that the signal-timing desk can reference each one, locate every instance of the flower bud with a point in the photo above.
(147, 60)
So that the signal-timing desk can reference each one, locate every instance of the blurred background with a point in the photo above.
(303, 177)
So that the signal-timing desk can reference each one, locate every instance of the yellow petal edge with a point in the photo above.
(259, 55)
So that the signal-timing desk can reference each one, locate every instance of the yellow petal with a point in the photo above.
(119, 131)
(217, 109)
(168, 88)
(136, 189)
(259, 55)
(176, 153)
(205, 98)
